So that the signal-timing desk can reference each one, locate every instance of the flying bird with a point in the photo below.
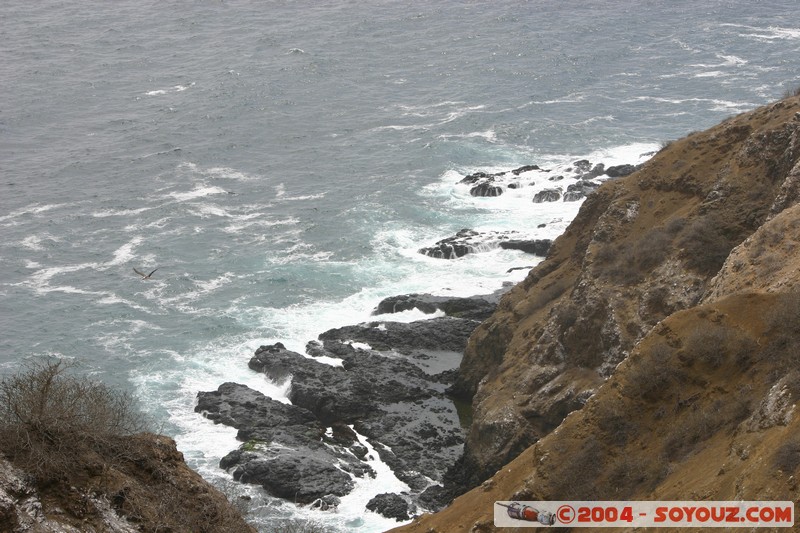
(144, 276)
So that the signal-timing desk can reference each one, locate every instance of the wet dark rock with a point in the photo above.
(547, 195)
(619, 171)
(526, 168)
(473, 307)
(556, 178)
(393, 398)
(458, 245)
(442, 333)
(326, 503)
(598, 170)
(515, 185)
(486, 189)
(240, 407)
(584, 165)
(478, 176)
(579, 190)
(470, 241)
(538, 247)
(296, 475)
(390, 505)
(284, 448)
(435, 497)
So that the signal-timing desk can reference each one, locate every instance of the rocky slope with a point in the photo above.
(140, 483)
(660, 316)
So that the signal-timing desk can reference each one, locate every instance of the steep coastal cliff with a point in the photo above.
(664, 319)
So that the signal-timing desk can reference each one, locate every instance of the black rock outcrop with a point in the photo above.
(547, 195)
(389, 505)
(393, 397)
(470, 241)
(538, 247)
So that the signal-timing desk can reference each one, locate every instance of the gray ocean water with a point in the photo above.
(281, 162)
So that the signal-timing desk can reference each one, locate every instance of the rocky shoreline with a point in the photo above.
(391, 392)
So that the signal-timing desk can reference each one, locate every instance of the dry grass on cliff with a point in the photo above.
(80, 440)
(50, 418)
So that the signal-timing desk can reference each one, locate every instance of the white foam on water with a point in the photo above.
(173, 89)
(39, 281)
(300, 198)
(206, 286)
(259, 222)
(727, 61)
(112, 299)
(104, 213)
(300, 253)
(33, 242)
(229, 174)
(710, 74)
(199, 191)
(125, 253)
(206, 210)
(352, 513)
(768, 34)
(32, 209)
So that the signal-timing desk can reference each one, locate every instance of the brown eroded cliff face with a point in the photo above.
(642, 248)
(136, 483)
(702, 409)
(140, 483)
(701, 351)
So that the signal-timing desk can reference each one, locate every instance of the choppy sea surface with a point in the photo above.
(280, 163)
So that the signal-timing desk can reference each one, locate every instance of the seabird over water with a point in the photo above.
(144, 276)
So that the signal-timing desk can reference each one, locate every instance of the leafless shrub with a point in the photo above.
(675, 225)
(705, 245)
(784, 315)
(792, 92)
(702, 422)
(49, 418)
(651, 375)
(630, 474)
(66, 429)
(707, 344)
(615, 422)
(574, 478)
(628, 263)
(651, 249)
(787, 456)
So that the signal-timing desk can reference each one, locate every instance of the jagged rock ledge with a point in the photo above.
(390, 391)
(486, 184)
(469, 241)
